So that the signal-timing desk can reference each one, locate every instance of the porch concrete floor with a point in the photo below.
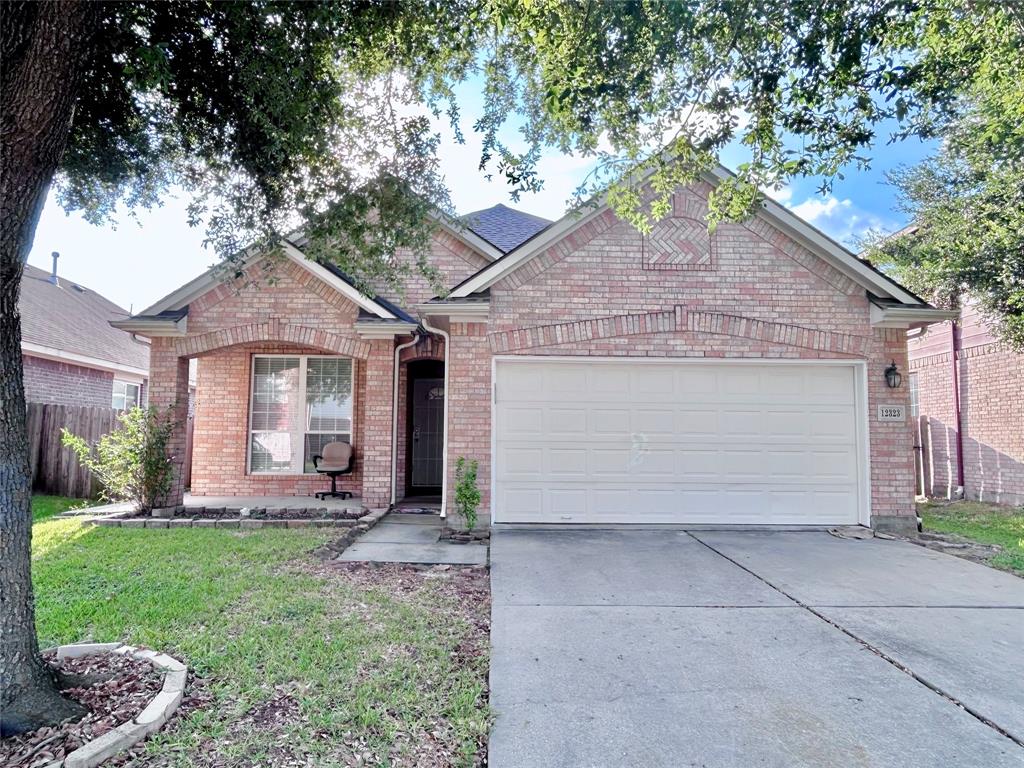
(272, 502)
(405, 538)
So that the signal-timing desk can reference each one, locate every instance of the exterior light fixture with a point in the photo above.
(892, 376)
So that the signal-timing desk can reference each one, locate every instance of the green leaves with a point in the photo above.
(967, 201)
(467, 495)
(131, 461)
(279, 116)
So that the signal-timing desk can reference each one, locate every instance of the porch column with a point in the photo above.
(377, 413)
(168, 388)
(469, 412)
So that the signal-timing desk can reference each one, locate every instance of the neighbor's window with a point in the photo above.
(913, 395)
(299, 404)
(126, 395)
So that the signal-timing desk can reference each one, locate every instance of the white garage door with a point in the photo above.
(676, 442)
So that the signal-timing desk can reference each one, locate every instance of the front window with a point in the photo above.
(299, 404)
(126, 395)
(914, 407)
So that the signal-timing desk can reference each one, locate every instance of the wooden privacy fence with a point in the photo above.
(55, 469)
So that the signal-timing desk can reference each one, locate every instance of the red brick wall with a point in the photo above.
(295, 313)
(469, 408)
(454, 262)
(50, 381)
(608, 291)
(222, 428)
(991, 379)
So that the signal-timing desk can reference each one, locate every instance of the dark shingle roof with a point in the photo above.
(503, 227)
(72, 318)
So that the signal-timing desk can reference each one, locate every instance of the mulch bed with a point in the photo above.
(127, 686)
(232, 513)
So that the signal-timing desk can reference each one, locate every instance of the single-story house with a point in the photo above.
(69, 352)
(967, 397)
(596, 374)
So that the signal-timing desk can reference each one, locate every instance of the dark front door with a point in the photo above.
(426, 435)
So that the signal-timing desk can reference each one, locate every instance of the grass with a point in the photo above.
(48, 506)
(305, 664)
(984, 523)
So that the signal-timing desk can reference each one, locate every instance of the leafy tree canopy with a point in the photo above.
(276, 113)
(967, 201)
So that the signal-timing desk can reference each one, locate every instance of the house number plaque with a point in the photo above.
(892, 413)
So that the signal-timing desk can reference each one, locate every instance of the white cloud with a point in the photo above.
(781, 195)
(841, 220)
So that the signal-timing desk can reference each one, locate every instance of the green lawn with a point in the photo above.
(985, 523)
(306, 664)
(48, 506)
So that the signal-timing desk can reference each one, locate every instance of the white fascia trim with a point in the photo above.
(457, 312)
(195, 288)
(151, 326)
(62, 356)
(369, 329)
(200, 285)
(467, 236)
(909, 317)
(357, 297)
(812, 238)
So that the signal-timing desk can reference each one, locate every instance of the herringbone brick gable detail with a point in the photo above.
(674, 321)
(679, 243)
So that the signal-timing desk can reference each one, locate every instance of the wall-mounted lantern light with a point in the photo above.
(892, 376)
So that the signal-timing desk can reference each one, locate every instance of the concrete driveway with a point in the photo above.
(737, 649)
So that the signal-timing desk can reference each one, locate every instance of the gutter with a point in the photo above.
(394, 417)
(955, 364)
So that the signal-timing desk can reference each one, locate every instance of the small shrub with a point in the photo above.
(467, 495)
(131, 462)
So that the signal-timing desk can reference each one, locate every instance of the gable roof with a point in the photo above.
(169, 316)
(504, 227)
(778, 215)
(70, 318)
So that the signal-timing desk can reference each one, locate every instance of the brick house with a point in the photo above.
(70, 354)
(970, 414)
(596, 375)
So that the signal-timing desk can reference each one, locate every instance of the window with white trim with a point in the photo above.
(915, 407)
(126, 395)
(299, 404)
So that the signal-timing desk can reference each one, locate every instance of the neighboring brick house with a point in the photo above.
(596, 375)
(70, 353)
(983, 458)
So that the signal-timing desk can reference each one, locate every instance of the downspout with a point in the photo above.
(394, 419)
(956, 340)
(444, 443)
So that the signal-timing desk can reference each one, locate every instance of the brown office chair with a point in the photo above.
(337, 459)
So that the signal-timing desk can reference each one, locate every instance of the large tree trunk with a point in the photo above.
(44, 47)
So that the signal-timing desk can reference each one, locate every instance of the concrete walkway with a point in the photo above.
(412, 538)
(666, 648)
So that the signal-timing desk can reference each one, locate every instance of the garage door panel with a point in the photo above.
(562, 423)
(523, 421)
(689, 442)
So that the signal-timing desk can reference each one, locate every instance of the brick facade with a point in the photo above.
(50, 381)
(746, 291)
(294, 313)
(761, 296)
(991, 380)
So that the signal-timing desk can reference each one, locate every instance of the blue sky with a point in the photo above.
(135, 263)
